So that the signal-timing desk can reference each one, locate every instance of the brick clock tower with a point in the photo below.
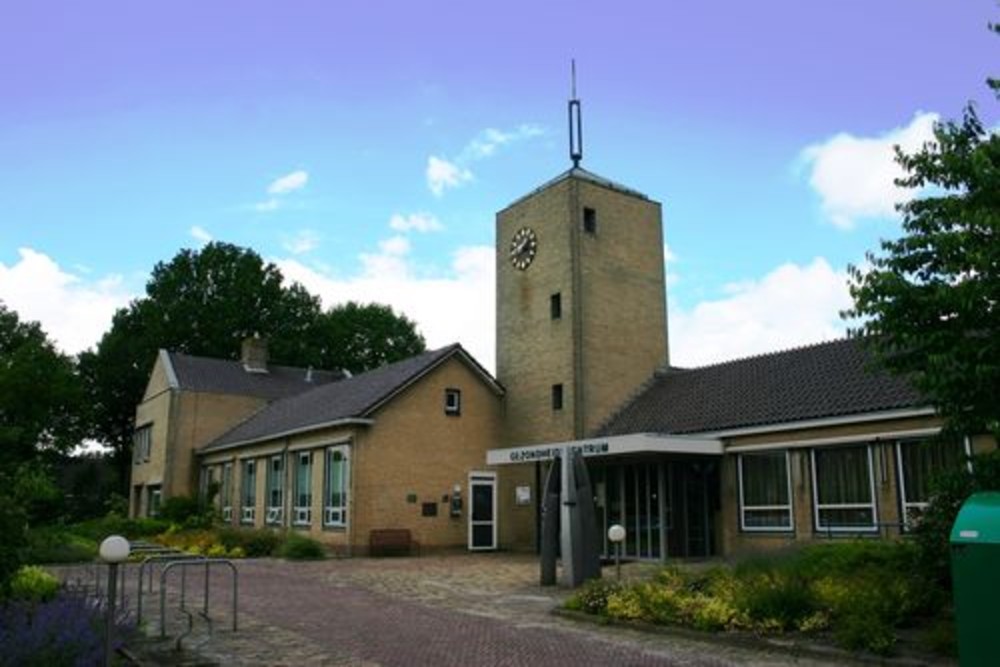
(581, 301)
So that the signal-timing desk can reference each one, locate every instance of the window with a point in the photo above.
(337, 484)
(275, 490)
(142, 443)
(843, 488)
(555, 306)
(557, 397)
(918, 461)
(226, 492)
(302, 512)
(765, 491)
(453, 402)
(153, 498)
(590, 220)
(248, 510)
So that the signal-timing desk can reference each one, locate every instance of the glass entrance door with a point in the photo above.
(482, 511)
(633, 495)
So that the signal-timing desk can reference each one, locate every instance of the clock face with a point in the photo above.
(523, 247)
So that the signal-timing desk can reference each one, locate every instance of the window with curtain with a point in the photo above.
(303, 489)
(275, 489)
(765, 491)
(337, 471)
(918, 462)
(248, 511)
(843, 488)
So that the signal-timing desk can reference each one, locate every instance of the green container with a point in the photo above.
(975, 570)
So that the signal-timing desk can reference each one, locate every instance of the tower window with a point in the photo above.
(453, 402)
(557, 397)
(590, 220)
(555, 306)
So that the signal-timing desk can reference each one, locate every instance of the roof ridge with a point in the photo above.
(764, 355)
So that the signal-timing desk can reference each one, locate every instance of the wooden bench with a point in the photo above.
(392, 542)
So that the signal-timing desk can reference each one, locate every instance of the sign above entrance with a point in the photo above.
(633, 443)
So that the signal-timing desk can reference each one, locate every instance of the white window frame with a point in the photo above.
(744, 508)
(248, 513)
(142, 443)
(335, 516)
(154, 491)
(301, 514)
(873, 505)
(227, 491)
(453, 401)
(905, 505)
(275, 514)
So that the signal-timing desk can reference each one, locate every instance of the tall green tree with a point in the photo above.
(929, 303)
(360, 337)
(206, 302)
(40, 394)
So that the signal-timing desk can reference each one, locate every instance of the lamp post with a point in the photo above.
(616, 534)
(114, 550)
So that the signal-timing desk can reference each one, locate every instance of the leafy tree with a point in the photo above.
(930, 304)
(360, 337)
(40, 394)
(206, 302)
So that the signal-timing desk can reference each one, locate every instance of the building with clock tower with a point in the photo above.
(581, 301)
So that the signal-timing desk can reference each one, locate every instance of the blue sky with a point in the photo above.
(366, 146)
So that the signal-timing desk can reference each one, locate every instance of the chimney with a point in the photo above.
(255, 354)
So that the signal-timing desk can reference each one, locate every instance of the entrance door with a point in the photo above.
(482, 511)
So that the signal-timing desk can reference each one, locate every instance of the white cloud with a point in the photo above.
(303, 241)
(790, 306)
(418, 222)
(74, 312)
(200, 234)
(486, 143)
(854, 175)
(296, 180)
(669, 258)
(458, 306)
(442, 174)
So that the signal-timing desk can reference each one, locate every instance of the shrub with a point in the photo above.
(57, 544)
(12, 521)
(258, 543)
(299, 547)
(66, 630)
(775, 601)
(592, 598)
(34, 584)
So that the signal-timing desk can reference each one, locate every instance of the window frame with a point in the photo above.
(872, 504)
(226, 491)
(248, 491)
(302, 514)
(274, 481)
(590, 220)
(142, 443)
(744, 507)
(905, 505)
(154, 491)
(453, 408)
(336, 516)
(555, 306)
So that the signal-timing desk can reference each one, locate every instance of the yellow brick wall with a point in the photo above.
(612, 334)
(412, 448)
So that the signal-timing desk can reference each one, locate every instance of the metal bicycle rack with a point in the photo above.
(183, 565)
(151, 561)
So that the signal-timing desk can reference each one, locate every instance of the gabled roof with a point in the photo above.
(353, 400)
(223, 376)
(819, 381)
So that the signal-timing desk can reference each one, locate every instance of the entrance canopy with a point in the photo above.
(633, 443)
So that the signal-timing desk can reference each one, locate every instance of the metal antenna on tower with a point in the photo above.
(575, 122)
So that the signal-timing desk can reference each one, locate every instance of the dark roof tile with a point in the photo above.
(222, 376)
(824, 380)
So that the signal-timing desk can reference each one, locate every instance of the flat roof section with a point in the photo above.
(632, 443)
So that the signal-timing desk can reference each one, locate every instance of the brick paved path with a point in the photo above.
(471, 609)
